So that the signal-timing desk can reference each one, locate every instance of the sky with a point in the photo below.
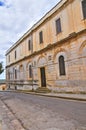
(16, 17)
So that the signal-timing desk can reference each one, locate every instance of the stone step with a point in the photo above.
(42, 90)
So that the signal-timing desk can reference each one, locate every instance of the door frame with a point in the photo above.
(43, 76)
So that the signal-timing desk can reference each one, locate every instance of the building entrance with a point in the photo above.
(43, 77)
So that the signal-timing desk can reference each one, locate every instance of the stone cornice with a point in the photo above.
(70, 37)
(56, 8)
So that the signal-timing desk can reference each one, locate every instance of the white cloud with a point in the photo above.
(16, 17)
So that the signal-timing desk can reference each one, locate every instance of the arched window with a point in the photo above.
(30, 71)
(15, 73)
(61, 65)
(21, 68)
(21, 72)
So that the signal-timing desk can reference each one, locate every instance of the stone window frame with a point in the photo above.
(58, 25)
(83, 10)
(58, 76)
(61, 61)
(15, 70)
(82, 16)
(30, 70)
(15, 54)
(29, 45)
(8, 58)
(41, 37)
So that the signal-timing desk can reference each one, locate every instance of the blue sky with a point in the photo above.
(2, 3)
(16, 17)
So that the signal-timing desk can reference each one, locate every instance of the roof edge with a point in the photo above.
(38, 23)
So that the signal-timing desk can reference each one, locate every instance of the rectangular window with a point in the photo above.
(9, 58)
(15, 54)
(29, 45)
(84, 8)
(8, 75)
(58, 26)
(41, 37)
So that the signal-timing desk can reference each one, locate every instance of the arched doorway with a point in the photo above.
(42, 71)
(43, 76)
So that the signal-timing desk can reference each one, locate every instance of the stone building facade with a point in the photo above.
(53, 52)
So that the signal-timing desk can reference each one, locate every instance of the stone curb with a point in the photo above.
(53, 96)
(13, 120)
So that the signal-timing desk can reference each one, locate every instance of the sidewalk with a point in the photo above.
(7, 120)
(80, 97)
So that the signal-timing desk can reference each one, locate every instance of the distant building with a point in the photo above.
(53, 52)
(3, 85)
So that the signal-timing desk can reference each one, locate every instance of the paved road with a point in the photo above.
(46, 113)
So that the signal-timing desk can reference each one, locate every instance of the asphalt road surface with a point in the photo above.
(46, 113)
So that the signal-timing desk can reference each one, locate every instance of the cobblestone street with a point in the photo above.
(22, 112)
